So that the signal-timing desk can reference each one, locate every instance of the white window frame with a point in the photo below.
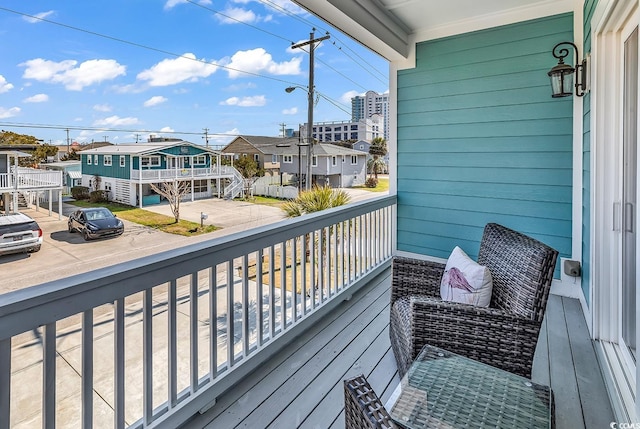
(123, 160)
(151, 161)
(89, 159)
(256, 157)
(274, 159)
(334, 160)
(95, 159)
(287, 159)
(314, 161)
(200, 160)
(354, 159)
(106, 160)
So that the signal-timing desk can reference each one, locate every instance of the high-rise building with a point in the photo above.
(371, 103)
(338, 131)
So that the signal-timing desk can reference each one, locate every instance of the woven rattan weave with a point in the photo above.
(503, 335)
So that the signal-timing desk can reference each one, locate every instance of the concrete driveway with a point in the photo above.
(64, 254)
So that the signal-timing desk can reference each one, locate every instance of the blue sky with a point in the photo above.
(120, 70)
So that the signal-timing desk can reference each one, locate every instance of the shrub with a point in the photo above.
(98, 196)
(80, 192)
(371, 182)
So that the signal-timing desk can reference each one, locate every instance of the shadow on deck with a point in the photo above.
(302, 386)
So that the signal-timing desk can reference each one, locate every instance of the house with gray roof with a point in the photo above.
(127, 170)
(263, 150)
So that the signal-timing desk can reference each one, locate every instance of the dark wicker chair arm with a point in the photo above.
(362, 407)
(415, 277)
(489, 335)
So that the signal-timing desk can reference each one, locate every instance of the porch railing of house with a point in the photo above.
(183, 173)
(168, 333)
(30, 178)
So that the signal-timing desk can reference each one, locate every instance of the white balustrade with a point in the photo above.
(162, 336)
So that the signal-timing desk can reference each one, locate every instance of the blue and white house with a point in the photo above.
(126, 171)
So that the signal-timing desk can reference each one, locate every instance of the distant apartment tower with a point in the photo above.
(372, 103)
(339, 131)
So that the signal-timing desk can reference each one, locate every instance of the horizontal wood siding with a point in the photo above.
(481, 140)
(113, 170)
(589, 8)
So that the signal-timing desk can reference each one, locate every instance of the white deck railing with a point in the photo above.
(131, 345)
(30, 178)
(183, 173)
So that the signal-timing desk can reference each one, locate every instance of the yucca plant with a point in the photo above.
(315, 200)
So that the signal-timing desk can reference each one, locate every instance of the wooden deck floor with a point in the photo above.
(302, 387)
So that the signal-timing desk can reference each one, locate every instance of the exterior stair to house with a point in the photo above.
(235, 187)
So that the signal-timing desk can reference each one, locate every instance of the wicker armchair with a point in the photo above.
(504, 334)
(362, 407)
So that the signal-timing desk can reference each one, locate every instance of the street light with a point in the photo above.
(309, 142)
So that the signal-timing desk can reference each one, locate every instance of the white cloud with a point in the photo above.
(258, 60)
(291, 111)
(225, 137)
(255, 101)
(170, 4)
(102, 108)
(182, 69)
(347, 96)
(9, 113)
(38, 98)
(37, 17)
(4, 85)
(237, 15)
(115, 121)
(167, 129)
(73, 78)
(154, 101)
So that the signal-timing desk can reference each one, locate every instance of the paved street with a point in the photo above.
(64, 254)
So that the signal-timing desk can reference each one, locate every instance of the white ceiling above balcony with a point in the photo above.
(390, 27)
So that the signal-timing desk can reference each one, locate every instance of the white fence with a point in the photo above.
(151, 342)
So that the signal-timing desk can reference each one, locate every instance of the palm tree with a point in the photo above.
(377, 150)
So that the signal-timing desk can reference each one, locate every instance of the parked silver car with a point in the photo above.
(95, 223)
(19, 233)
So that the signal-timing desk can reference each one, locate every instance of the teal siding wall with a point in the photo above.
(481, 140)
(589, 7)
(114, 170)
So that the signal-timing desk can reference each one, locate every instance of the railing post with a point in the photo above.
(5, 383)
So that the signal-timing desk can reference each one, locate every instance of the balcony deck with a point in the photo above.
(302, 386)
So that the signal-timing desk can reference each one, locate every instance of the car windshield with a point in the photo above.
(99, 214)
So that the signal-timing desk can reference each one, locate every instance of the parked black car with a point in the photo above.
(19, 233)
(95, 223)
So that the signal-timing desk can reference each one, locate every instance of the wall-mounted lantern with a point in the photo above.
(561, 75)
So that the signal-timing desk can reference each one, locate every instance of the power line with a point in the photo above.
(102, 129)
(293, 15)
(139, 45)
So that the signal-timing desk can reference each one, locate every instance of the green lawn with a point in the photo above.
(265, 201)
(151, 219)
(383, 185)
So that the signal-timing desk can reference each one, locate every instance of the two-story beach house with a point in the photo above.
(263, 150)
(333, 165)
(28, 182)
(126, 171)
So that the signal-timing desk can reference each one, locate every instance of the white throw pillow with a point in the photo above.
(466, 281)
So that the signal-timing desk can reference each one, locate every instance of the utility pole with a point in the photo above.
(206, 137)
(68, 148)
(312, 46)
(137, 137)
(282, 125)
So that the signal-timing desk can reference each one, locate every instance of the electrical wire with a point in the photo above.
(359, 63)
(139, 45)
